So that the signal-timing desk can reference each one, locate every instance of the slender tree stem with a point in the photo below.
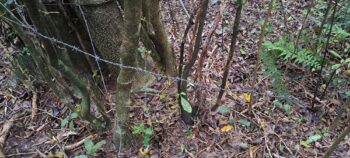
(340, 137)
(324, 55)
(235, 31)
(261, 40)
(187, 118)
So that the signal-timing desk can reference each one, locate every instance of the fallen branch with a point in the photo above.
(77, 144)
(4, 132)
(34, 105)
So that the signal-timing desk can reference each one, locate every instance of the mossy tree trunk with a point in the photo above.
(54, 62)
(128, 53)
(159, 37)
(105, 21)
(115, 28)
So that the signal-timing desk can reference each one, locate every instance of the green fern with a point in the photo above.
(272, 70)
(287, 51)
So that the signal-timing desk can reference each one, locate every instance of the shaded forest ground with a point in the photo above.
(267, 131)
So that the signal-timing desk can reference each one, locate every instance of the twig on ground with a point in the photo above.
(34, 106)
(189, 153)
(40, 153)
(75, 145)
(267, 147)
(184, 8)
(4, 132)
(20, 154)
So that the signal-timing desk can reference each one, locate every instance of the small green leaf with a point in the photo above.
(232, 121)
(71, 125)
(281, 148)
(182, 148)
(146, 141)
(98, 146)
(189, 133)
(137, 129)
(149, 131)
(278, 103)
(74, 115)
(325, 133)
(310, 140)
(244, 122)
(64, 122)
(242, 51)
(224, 109)
(81, 156)
(186, 105)
(141, 49)
(287, 108)
(336, 66)
(313, 138)
(304, 144)
(88, 144)
(334, 53)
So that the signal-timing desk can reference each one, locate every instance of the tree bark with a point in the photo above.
(128, 53)
(104, 21)
(160, 38)
(188, 117)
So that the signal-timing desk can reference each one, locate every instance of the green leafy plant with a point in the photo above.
(147, 133)
(244, 122)
(272, 70)
(184, 102)
(285, 107)
(91, 148)
(310, 140)
(223, 109)
(81, 156)
(69, 120)
(182, 148)
(189, 133)
(341, 63)
(287, 51)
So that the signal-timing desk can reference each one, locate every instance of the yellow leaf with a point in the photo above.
(247, 97)
(145, 151)
(54, 139)
(252, 150)
(226, 128)
(347, 72)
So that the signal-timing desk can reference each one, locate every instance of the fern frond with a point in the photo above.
(286, 50)
(274, 73)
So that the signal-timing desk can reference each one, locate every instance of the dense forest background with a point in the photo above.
(151, 78)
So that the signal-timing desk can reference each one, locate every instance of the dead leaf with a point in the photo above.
(261, 123)
(252, 150)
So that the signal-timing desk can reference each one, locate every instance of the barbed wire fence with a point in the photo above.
(98, 59)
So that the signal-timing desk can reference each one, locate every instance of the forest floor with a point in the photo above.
(266, 131)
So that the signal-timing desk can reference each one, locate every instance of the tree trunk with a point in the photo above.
(128, 53)
(160, 38)
(104, 21)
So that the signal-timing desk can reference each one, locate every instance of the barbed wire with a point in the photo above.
(93, 46)
(141, 70)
